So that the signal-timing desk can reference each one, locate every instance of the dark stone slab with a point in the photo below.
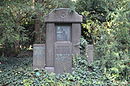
(63, 57)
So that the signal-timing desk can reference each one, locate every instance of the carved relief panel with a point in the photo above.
(63, 33)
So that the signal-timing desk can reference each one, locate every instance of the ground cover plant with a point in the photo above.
(19, 72)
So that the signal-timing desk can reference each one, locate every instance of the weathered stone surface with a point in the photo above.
(50, 44)
(76, 33)
(63, 15)
(90, 53)
(63, 32)
(63, 57)
(39, 56)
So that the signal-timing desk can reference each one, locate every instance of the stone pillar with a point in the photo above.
(39, 56)
(90, 53)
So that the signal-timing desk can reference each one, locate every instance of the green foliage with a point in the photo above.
(18, 72)
(112, 42)
(15, 15)
(83, 44)
(100, 9)
(111, 38)
(96, 12)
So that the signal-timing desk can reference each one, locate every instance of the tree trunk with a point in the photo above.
(38, 32)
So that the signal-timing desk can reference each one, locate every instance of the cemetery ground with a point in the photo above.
(16, 71)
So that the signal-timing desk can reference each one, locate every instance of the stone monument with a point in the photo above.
(63, 30)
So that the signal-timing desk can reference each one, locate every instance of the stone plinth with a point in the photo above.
(39, 56)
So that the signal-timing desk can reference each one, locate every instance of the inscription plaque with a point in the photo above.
(63, 57)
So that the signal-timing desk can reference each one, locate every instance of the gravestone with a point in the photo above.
(89, 53)
(63, 30)
(39, 56)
